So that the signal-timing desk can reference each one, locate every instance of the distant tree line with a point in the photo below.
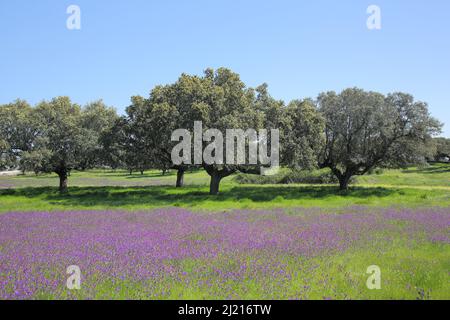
(350, 132)
(442, 149)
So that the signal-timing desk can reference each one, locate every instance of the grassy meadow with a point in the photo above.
(138, 237)
(102, 189)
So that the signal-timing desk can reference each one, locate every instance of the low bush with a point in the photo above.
(287, 176)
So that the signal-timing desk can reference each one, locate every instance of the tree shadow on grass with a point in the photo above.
(160, 196)
(149, 175)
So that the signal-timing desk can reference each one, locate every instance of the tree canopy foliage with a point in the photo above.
(55, 136)
(350, 132)
(365, 130)
(442, 146)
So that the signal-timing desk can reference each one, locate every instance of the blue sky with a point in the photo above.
(300, 48)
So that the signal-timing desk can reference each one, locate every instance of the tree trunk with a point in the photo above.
(180, 178)
(62, 182)
(215, 183)
(344, 181)
(142, 172)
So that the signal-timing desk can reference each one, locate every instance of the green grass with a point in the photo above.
(231, 197)
(435, 175)
(99, 189)
(100, 178)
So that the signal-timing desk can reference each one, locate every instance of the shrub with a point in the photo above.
(257, 179)
(309, 177)
(288, 176)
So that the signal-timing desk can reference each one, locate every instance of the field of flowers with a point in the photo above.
(174, 253)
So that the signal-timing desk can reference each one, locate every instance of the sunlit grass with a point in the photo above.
(106, 189)
(435, 175)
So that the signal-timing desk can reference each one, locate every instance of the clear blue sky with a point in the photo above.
(299, 48)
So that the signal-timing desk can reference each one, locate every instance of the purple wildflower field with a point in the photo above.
(174, 253)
